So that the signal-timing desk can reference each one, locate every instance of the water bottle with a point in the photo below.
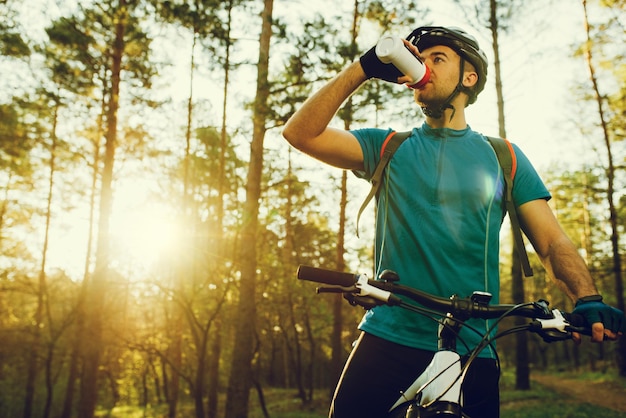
(391, 49)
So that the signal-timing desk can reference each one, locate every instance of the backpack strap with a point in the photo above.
(508, 161)
(391, 144)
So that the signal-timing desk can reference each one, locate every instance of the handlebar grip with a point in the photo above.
(332, 277)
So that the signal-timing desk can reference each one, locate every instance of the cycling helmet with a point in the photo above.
(464, 44)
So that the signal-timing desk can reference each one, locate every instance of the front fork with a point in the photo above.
(438, 389)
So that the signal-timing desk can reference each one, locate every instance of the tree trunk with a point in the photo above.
(47, 409)
(198, 394)
(522, 379)
(43, 279)
(296, 352)
(97, 288)
(77, 352)
(610, 173)
(216, 343)
(241, 368)
(176, 358)
(338, 352)
(42, 289)
(213, 370)
(68, 401)
(522, 369)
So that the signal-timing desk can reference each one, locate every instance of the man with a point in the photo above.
(438, 220)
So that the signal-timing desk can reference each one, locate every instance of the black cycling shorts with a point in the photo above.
(378, 370)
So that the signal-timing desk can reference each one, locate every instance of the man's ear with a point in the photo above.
(470, 78)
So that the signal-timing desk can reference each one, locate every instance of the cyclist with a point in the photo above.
(438, 220)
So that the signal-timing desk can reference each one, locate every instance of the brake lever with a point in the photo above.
(363, 293)
(337, 289)
(351, 294)
(558, 328)
(580, 330)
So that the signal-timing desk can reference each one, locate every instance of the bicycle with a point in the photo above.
(437, 392)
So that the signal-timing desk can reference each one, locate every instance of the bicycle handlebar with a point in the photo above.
(475, 306)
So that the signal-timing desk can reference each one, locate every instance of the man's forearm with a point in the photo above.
(317, 111)
(569, 270)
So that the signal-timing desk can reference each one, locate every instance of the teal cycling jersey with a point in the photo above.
(438, 219)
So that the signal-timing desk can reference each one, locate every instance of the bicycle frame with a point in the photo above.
(440, 382)
(438, 390)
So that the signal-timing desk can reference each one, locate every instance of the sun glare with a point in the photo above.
(143, 230)
(145, 234)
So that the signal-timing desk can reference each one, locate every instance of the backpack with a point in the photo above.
(507, 160)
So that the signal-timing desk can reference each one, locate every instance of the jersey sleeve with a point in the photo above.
(371, 141)
(527, 185)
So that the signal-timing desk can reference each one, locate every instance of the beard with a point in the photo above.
(433, 101)
(432, 106)
(431, 96)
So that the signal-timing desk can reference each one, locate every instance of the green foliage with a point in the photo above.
(190, 293)
(15, 141)
(12, 42)
(69, 54)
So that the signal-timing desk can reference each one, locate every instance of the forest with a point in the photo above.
(152, 217)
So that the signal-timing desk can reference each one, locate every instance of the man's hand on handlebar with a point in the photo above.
(590, 317)
(607, 323)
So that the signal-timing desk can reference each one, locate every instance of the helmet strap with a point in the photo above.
(437, 112)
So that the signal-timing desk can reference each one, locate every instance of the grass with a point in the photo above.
(284, 404)
(560, 409)
(538, 402)
(542, 402)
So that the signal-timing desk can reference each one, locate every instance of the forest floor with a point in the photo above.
(606, 393)
(552, 395)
